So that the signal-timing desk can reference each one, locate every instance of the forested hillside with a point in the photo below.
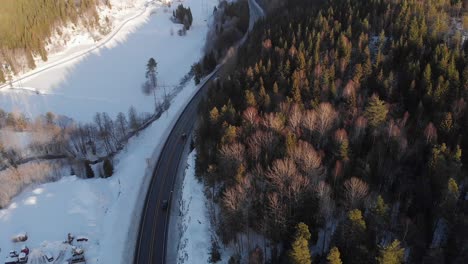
(26, 25)
(349, 115)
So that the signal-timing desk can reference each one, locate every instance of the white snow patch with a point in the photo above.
(195, 242)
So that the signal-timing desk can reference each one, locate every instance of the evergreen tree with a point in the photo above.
(151, 83)
(381, 208)
(391, 254)
(300, 253)
(446, 124)
(355, 216)
(184, 16)
(151, 72)
(453, 188)
(2, 76)
(427, 79)
(376, 111)
(198, 72)
(334, 256)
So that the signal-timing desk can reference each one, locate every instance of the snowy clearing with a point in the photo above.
(109, 79)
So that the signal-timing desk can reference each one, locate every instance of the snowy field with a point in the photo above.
(109, 79)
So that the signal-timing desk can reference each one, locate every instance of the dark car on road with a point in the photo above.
(165, 205)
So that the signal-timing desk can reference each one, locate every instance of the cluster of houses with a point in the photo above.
(77, 253)
(15, 257)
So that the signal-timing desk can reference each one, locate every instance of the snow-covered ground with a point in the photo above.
(50, 211)
(109, 79)
(195, 226)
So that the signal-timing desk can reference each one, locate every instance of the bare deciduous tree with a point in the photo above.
(309, 121)
(359, 127)
(232, 156)
(340, 135)
(430, 132)
(250, 116)
(288, 181)
(356, 190)
(308, 160)
(122, 124)
(294, 117)
(457, 108)
(326, 117)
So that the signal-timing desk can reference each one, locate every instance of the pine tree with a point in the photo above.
(355, 216)
(2, 76)
(381, 208)
(151, 83)
(376, 111)
(250, 98)
(151, 72)
(427, 79)
(452, 187)
(334, 256)
(446, 124)
(300, 253)
(414, 31)
(198, 71)
(214, 115)
(275, 88)
(391, 254)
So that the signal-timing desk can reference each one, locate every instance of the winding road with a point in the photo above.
(151, 241)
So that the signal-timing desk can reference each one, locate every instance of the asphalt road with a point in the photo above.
(152, 237)
(151, 244)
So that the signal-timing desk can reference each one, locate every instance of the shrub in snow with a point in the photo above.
(108, 168)
(89, 170)
(215, 255)
(235, 259)
(20, 238)
(183, 15)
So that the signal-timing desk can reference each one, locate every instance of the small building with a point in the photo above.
(12, 258)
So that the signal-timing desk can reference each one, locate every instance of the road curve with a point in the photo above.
(152, 237)
(76, 56)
